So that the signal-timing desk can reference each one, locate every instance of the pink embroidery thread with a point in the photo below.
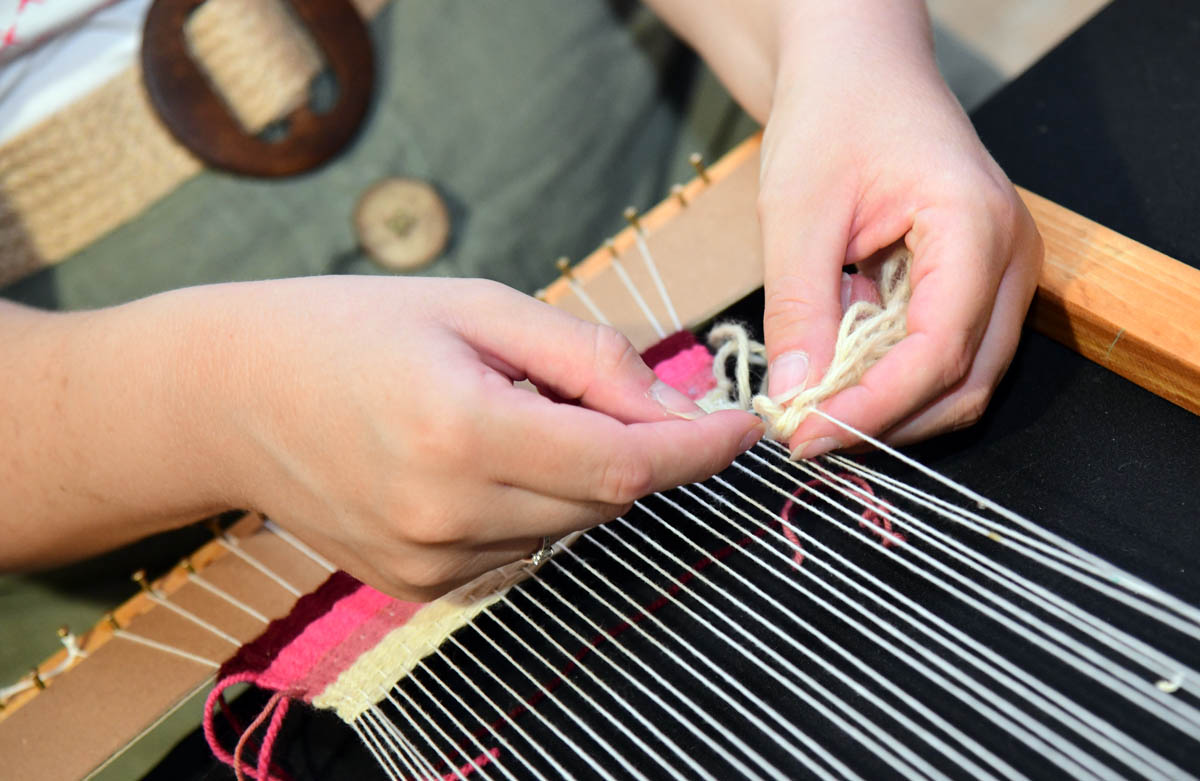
(875, 518)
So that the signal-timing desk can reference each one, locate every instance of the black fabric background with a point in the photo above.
(1107, 125)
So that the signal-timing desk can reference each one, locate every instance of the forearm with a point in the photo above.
(754, 44)
(99, 437)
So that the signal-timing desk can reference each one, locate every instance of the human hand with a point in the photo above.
(866, 146)
(384, 428)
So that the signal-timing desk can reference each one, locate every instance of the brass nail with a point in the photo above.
(697, 161)
(631, 215)
(139, 578)
(37, 679)
(111, 619)
(186, 562)
(611, 246)
(677, 191)
(63, 631)
(564, 267)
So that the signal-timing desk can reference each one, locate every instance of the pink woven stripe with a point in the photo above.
(688, 371)
(365, 637)
(298, 657)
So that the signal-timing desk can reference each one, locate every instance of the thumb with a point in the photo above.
(803, 279)
(573, 358)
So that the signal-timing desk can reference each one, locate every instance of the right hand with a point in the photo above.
(383, 427)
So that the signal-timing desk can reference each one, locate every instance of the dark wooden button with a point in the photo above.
(200, 120)
(402, 223)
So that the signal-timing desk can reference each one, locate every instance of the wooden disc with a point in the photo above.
(402, 223)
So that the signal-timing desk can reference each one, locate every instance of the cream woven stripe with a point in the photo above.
(105, 158)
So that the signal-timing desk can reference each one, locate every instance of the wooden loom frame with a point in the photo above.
(1113, 300)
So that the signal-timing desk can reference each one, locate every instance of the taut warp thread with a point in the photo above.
(874, 628)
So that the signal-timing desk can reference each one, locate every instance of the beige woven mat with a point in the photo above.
(105, 158)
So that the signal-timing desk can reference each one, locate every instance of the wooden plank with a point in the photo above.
(1119, 303)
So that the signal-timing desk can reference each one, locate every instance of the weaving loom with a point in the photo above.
(708, 633)
(1160, 552)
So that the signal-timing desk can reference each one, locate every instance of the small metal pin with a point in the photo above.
(611, 246)
(63, 632)
(111, 620)
(186, 562)
(37, 679)
(563, 265)
(139, 578)
(697, 161)
(631, 216)
(677, 191)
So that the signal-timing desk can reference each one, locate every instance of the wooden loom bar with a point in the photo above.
(1119, 303)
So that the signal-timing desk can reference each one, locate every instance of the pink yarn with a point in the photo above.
(875, 517)
(298, 657)
(362, 639)
(268, 741)
(688, 371)
(469, 768)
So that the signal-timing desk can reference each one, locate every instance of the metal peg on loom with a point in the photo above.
(696, 160)
(631, 216)
(677, 191)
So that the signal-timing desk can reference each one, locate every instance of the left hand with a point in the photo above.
(865, 146)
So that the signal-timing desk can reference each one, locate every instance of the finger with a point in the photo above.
(804, 249)
(947, 316)
(577, 453)
(964, 404)
(575, 359)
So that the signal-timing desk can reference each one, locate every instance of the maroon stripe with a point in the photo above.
(258, 654)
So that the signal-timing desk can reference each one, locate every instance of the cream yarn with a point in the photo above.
(868, 330)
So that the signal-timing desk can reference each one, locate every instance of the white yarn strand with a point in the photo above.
(234, 547)
(785, 724)
(582, 295)
(652, 267)
(795, 671)
(1015, 628)
(619, 267)
(195, 619)
(696, 769)
(743, 770)
(1067, 611)
(1085, 660)
(170, 649)
(295, 542)
(225, 595)
(487, 726)
(996, 667)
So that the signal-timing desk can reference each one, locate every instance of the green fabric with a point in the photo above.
(537, 120)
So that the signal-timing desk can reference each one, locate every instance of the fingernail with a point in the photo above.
(751, 438)
(674, 402)
(814, 448)
(788, 371)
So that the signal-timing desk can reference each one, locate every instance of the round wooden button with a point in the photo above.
(402, 223)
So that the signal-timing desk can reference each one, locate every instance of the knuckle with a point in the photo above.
(626, 480)
(970, 407)
(612, 351)
(434, 529)
(786, 305)
(959, 355)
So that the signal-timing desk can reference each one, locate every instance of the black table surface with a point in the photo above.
(1107, 124)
